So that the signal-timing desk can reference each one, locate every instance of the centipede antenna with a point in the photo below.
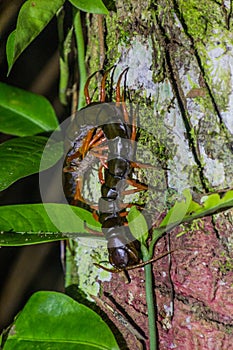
(142, 264)
(128, 268)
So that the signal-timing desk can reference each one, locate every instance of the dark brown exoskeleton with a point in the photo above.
(99, 128)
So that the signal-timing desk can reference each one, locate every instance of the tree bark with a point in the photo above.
(179, 55)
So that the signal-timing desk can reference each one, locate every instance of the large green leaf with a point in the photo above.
(21, 157)
(23, 113)
(91, 6)
(25, 224)
(54, 321)
(33, 17)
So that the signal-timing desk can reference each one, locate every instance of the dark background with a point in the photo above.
(25, 270)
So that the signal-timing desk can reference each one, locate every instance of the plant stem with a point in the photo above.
(150, 300)
(81, 57)
(64, 70)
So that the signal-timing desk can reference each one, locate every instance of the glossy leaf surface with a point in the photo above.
(23, 113)
(53, 320)
(96, 6)
(21, 157)
(33, 17)
(25, 224)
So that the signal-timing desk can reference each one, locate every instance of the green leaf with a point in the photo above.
(228, 196)
(194, 207)
(52, 320)
(23, 113)
(212, 203)
(21, 157)
(25, 224)
(10, 45)
(33, 17)
(177, 213)
(90, 6)
(137, 224)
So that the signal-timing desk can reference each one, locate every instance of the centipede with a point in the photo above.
(106, 132)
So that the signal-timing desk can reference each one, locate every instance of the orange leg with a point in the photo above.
(141, 165)
(95, 215)
(103, 82)
(102, 88)
(96, 233)
(134, 130)
(138, 187)
(78, 190)
(82, 151)
(86, 91)
(100, 173)
(95, 140)
(119, 98)
(86, 143)
(97, 152)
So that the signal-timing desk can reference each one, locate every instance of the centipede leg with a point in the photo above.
(97, 152)
(85, 146)
(91, 142)
(100, 173)
(96, 233)
(134, 130)
(98, 139)
(103, 83)
(141, 165)
(120, 99)
(78, 190)
(138, 187)
(86, 91)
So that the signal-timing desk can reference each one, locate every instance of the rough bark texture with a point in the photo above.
(179, 55)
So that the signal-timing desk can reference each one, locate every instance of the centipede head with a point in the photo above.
(122, 254)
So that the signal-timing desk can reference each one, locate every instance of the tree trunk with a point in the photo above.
(179, 55)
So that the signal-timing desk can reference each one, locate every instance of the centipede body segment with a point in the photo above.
(102, 131)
